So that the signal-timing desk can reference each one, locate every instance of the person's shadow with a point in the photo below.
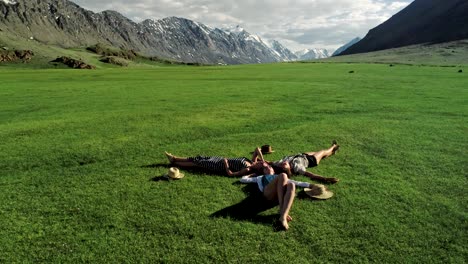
(250, 208)
(246, 210)
(167, 166)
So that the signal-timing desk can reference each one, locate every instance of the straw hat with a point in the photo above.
(266, 149)
(318, 191)
(174, 173)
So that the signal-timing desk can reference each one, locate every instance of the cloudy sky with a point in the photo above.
(297, 24)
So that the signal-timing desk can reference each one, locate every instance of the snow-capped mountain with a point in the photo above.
(284, 53)
(252, 44)
(312, 54)
(346, 46)
(63, 23)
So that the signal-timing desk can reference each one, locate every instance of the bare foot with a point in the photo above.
(284, 223)
(332, 180)
(336, 147)
(169, 156)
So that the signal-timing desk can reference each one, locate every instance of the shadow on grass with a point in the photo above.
(189, 170)
(185, 169)
(250, 208)
(156, 165)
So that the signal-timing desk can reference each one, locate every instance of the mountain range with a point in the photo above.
(65, 24)
(423, 21)
(312, 54)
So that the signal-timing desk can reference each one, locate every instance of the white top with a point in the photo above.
(258, 180)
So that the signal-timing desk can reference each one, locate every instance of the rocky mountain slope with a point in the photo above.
(346, 46)
(283, 52)
(63, 23)
(423, 21)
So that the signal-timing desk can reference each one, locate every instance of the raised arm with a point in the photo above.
(257, 155)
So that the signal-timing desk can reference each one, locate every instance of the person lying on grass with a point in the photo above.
(299, 164)
(215, 164)
(277, 188)
(243, 166)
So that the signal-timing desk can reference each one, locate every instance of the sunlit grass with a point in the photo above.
(80, 150)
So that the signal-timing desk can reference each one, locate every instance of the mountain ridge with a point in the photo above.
(423, 21)
(346, 46)
(66, 24)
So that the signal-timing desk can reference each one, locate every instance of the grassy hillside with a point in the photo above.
(46, 53)
(81, 152)
(443, 54)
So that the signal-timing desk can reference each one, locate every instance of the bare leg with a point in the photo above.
(286, 192)
(173, 158)
(280, 186)
(325, 153)
(288, 200)
(270, 191)
(280, 189)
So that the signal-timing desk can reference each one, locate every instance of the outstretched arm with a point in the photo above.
(249, 178)
(317, 177)
(301, 184)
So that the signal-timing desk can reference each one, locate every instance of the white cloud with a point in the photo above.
(295, 23)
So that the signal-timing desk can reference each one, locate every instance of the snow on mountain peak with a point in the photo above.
(9, 2)
(311, 54)
(206, 29)
(234, 29)
(256, 38)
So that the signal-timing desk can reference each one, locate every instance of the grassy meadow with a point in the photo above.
(454, 53)
(82, 155)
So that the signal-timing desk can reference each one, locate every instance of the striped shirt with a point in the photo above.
(216, 164)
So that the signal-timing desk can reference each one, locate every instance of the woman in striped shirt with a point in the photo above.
(215, 164)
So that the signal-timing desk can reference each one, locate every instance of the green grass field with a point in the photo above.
(80, 151)
(453, 53)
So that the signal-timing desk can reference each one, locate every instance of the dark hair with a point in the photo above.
(280, 169)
